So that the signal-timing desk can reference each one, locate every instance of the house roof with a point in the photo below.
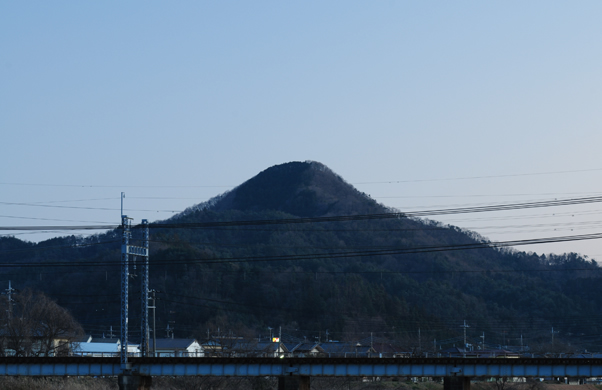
(290, 346)
(388, 348)
(172, 343)
(85, 339)
(306, 347)
(339, 347)
(587, 355)
(103, 340)
(270, 346)
(96, 348)
(452, 350)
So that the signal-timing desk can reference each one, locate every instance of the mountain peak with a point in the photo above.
(304, 189)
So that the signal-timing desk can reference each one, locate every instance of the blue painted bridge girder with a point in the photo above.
(315, 367)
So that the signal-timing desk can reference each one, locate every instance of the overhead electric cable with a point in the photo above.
(355, 183)
(361, 217)
(482, 177)
(82, 207)
(328, 255)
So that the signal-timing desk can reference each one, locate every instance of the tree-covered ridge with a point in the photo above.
(302, 189)
(309, 278)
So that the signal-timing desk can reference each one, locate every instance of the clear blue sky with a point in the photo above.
(179, 101)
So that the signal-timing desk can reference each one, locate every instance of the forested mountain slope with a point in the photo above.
(348, 276)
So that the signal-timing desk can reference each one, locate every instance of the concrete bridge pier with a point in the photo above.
(132, 381)
(293, 383)
(456, 383)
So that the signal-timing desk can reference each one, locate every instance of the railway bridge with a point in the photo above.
(296, 373)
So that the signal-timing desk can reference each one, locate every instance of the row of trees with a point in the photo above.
(34, 325)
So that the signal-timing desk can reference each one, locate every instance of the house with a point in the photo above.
(177, 348)
(346, 349)
(16, 343)
(96, 349)
(270, 349)
(256, 348)
(102, 347)
(211, 348)
(289, 347)
(492, 353)
(384, 349)
(306, 350)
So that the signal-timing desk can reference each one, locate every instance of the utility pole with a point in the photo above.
(125, 275)
(465, 326)
(270, 329)
(144, 330)
(483, 337)
(9, 291)
(419, 342)
(154, 307)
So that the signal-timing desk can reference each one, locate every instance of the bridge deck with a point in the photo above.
(316, 367)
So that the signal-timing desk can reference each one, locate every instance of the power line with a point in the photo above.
(331, 255)
(373, 182)
(487, 195)
(361, 217)
(82, 207)
(52, 247)
(483, 177)
(411, 250)
(50, 219)
(108, 186)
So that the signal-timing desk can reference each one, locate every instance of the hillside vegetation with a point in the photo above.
(348, 277)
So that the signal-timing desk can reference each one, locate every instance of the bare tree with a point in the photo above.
(35, 325)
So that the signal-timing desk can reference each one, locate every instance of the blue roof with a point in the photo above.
(172, 343)
(340, 347)
(96, 348)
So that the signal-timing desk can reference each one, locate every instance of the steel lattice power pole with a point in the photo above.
(144, 332)
(125, 224)
(140, 251)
